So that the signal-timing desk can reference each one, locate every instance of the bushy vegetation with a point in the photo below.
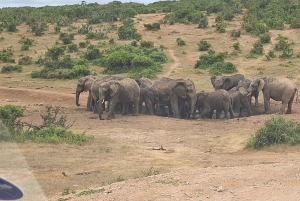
(235, 33)
(10, 68)
(203, 45)
(180, 42)
(137, 61)
(265, 38)
(53, 128)
(128, 31)
(284, 46)
(6, 56)
(27, 60)
(276, 130)
(26, 43)
(215, 63)
(154, 26)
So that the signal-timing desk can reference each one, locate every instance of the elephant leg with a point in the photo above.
(135, 108)
(163, 111)
(89, 102)
(218, 114)
(95, 108)
(174, 105)
(256, 99)
(112, 103)
(290, 103)
(149, 106)
(125, 109)
(267, 104)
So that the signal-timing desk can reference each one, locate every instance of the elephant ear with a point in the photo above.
(114, 87)
(180, 90)
(212, 80)
(227, 83)
(261, 84)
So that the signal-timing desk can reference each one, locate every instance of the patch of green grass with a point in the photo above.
(276, 130)
(174, 182)
(90, 192)
(150, 172)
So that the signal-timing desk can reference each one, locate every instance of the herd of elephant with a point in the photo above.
(178, 97)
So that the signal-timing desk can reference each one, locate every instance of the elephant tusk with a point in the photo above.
(248, 94)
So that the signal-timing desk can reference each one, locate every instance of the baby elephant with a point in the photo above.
(218, 100)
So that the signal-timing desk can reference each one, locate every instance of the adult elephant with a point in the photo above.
(240, 100)
(278, 89)
(95, 91)
(84, 84)
(245, 84)
(218, 100)
(147, 95)
(226, 82)
(125, 91)
(170, 90)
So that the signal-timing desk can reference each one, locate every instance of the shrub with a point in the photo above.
(91, 54)
(235, 33)
(154, 26)
(180, 42)
(82, 44)
(203, 45)
(257, 49)
(276, 130)
(9, 114)
(220, 27)
(139, 62)
(219, 68)
(66, 38)
(207, 60)
(72, 47)
(10, 68)
(147, 44)
(134, 43)
(27, 60)
(236, 46)
(265, 38)
(6, 56)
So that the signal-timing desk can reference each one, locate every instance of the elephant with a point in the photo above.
(147, 95)
(218, 100)
(245, 84)
(240, 99)
(125, 91)
(226, 82)
(278, 89)
(150, 97)
(95, 91)
(170, 90)
(84, 84)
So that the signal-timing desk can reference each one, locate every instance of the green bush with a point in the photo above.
(154, 26)
(119, 61)
(265, 38)
(52, 130)
(7, 56)
(203, 45)
(276, 130)
(92, 54)
(219, 68)
(207, 60)
(220, 27)
(66, 38)
(140, 62)
(180, 42)
(257, 49)
(236, 46)
(27, 60)
(9, 68)
(72, 47)
(82, 44)
(235, 33)
(9, 114)
(147, 44)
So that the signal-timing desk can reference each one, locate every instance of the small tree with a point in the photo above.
(54, 52)
(203, 45)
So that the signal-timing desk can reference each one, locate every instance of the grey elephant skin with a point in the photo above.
(226, 82)
(84, 84)
(278, 89)
(95, 91)
(148, 95)
(245, 84)
(125, 91)
(240, 100)
(171, 90)
(218, 100)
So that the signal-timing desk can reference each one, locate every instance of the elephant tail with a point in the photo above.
(297, 95)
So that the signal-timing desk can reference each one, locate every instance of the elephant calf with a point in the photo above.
(240, 100)
(245, 84)
(226, 82)
(218, 100)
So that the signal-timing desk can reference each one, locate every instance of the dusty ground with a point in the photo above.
(149, 157)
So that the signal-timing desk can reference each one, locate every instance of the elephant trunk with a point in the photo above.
(100, 108)
(193, 105)
(77, 97)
